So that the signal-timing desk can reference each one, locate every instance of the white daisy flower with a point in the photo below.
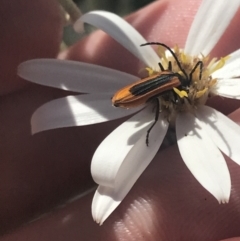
(203, 133)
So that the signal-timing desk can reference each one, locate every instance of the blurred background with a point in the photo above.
(120, 7)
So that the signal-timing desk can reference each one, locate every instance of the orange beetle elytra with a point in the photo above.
(142, 90)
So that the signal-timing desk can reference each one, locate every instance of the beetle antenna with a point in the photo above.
(173, 54)
(199, 63)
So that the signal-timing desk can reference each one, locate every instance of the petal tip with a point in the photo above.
(97, 218)
(224, 201)
(21, 69)
(33, 131)
(224, 198)
(79, 26)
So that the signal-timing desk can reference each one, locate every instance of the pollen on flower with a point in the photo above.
(150, 71)
(180, 93)
(195, 93)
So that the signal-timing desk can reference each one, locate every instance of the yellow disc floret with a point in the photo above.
(198, 70)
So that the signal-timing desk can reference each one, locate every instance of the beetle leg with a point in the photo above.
(161, 66)
(155, 121)
(170, 65)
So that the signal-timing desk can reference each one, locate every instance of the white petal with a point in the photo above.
(229, 88)
(210, 22)
(74, 76)
(128, 169)
(231, 68)
(116, 153)
(202, 157)
(223, 131)
(76, 111)
(123, 33)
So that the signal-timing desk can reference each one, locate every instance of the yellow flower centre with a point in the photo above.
(187, 98)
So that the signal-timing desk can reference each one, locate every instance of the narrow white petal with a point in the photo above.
(107, 198)
(123, 33)
(223, 131)
(202, 157)
(231, 68)
(211, 20)
(76, 111)
(74, 76)
(229, 88)
(126, 135)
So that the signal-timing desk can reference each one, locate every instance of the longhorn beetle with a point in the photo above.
(152, 87)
